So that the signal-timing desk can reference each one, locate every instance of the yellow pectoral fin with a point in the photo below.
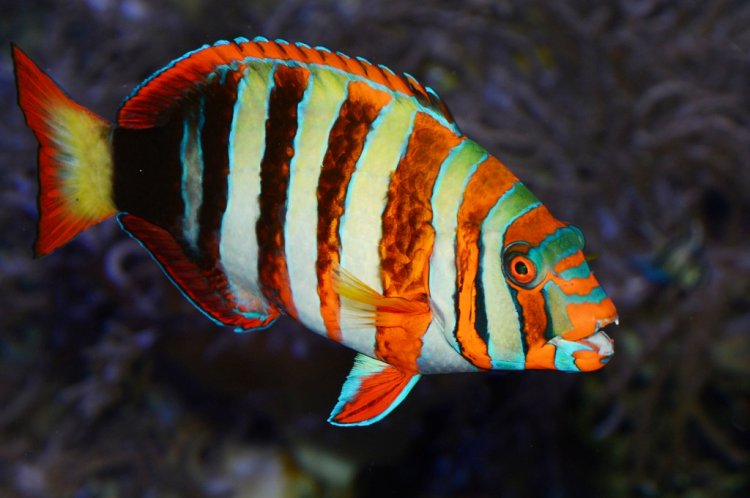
(373, 308)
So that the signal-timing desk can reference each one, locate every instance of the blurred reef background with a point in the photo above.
(629, 118)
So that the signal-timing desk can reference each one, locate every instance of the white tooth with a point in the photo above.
(602, 342)
(617, 321)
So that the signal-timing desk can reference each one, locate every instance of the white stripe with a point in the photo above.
(317, 113)
(438, 356)
(447, 197)
(239, 246)
(366, 198)
(504, 328)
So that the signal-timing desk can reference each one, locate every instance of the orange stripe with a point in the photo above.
(408, 235)
(542, 358)
(281, 127)
(577, 286)
(532, 227)
(490, 181)
(583, 317)
(570, 262)
(534, 317)
(345, 143)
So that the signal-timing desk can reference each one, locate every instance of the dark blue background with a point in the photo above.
(629, 119)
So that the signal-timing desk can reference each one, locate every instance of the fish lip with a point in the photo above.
(597, 340)
(580, 333)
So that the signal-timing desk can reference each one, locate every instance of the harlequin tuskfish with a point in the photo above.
(270, 178)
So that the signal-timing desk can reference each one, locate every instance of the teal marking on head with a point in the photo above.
(564, 359)
(596, 296)
(558, 245)
(581, 270)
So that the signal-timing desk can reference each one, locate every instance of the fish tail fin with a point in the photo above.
(75, 157)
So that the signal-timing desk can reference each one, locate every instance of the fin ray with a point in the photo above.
(75, 157)
(373, 308)
(158, 94)
(371, 391)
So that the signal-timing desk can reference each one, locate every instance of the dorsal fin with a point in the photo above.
(153, 99)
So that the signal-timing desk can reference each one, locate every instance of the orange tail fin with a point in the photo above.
(75, 157)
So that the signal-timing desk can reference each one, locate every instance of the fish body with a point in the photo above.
(271, 178)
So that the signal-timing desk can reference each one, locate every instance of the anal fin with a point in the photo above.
(207, 289)
(371, 391)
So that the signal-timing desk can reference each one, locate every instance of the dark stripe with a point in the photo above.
(290, 84)
(148, 173)
(346, 141)
(481, 322)
(490, 181)
(219, 98)
(408, 236)
(534, 318)
(549, 333)
(521, 319)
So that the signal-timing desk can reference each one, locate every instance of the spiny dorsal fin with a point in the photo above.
(160, 93)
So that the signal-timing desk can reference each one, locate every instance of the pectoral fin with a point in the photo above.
(373, 308)
(372, 389)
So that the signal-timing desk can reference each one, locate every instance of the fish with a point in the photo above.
(271, 178)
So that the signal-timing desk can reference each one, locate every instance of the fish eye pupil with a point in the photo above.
(521, 268)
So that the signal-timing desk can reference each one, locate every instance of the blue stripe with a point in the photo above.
(564, 359)
(579, 271)
(597, 295)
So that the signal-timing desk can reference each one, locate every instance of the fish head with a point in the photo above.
(561, 306)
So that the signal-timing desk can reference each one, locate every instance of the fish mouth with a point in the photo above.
(597, 340)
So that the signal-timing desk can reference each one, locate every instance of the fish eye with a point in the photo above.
(520, 269)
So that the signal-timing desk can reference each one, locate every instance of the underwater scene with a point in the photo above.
(630, 120)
